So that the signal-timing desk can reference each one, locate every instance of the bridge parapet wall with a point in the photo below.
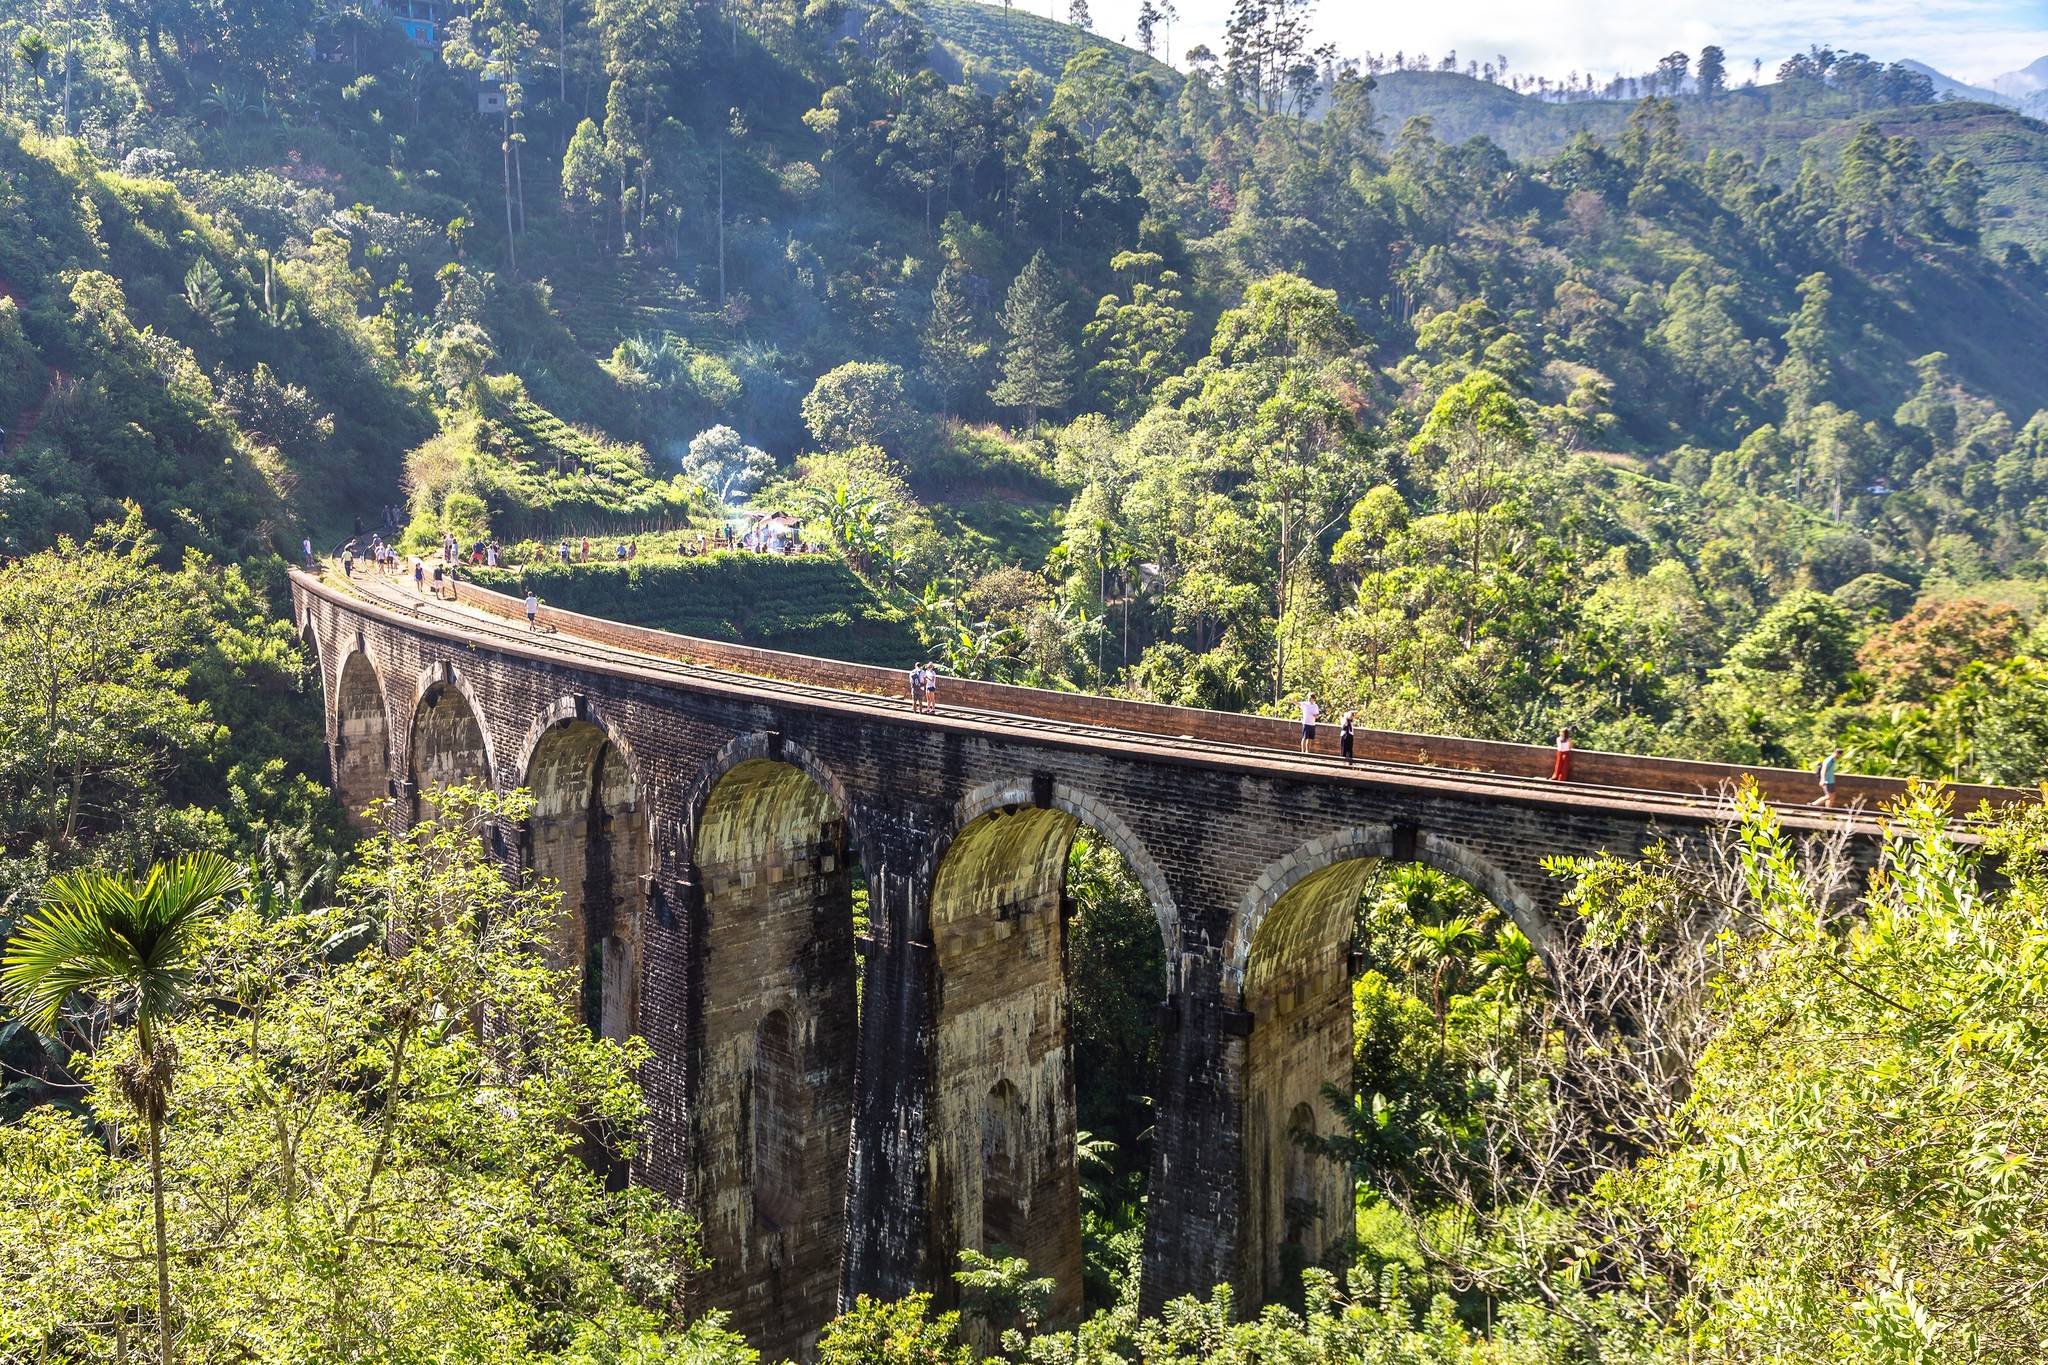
(1687, 777)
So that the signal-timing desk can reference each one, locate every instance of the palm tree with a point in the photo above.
(131, 947)
(1438, 950)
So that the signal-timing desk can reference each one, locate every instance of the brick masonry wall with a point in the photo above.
(1220, 840)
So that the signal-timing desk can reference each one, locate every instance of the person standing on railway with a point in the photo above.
(1344, 733)
(419, 575)
(1311, 712)
(917, 686)
(307, 546)
(1561, 764)
(532, 610)
(931, 689)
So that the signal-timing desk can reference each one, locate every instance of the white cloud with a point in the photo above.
(1968, 39)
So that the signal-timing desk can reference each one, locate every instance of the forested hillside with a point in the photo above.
(1779, 128)
(1712, 422)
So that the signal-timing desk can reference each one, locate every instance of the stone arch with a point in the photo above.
(998, 911)
(772, 1103)
(591, 835)
(773, 748)
(1099, 816)
(1374, 842)
(1288, 970)
(361, 737)
(449, 739)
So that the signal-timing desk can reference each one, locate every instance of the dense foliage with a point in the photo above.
(1705, 417)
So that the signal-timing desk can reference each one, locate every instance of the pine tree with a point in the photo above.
(207, 295)
(1078, 16)
(953, 349)
(1038, 362)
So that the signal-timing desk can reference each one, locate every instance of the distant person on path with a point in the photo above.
(1561, 765)
(491, 554)
(348, 560)
(532, 611)
(306, 545)
(359, 528)
(1311, 712)
(1825, 771)
(419, 575)
(1344, 736)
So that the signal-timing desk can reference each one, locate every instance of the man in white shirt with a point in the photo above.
(1311, 712)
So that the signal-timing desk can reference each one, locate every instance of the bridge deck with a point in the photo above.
(1685, 791)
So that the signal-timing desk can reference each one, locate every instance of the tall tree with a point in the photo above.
(1712, 72)
(130, 947)
(954, 350)
(1078, 16)
(1038, 361)
(1671, 72)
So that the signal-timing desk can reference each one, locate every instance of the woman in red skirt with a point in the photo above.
(1561, 766)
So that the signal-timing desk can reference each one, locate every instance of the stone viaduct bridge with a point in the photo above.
(846, 1106)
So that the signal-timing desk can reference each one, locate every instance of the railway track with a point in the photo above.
(475, 627)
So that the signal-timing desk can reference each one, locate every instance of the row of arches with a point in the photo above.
(777, 981)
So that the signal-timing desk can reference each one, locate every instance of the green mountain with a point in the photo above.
(1776, 128)
(1020, 352)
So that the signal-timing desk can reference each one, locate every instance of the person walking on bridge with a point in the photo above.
(1311, 712)
(1561, 765)
(1825, 771)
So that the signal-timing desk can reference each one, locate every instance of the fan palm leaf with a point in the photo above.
(121, 942)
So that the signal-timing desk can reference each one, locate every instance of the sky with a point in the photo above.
(1972, 40)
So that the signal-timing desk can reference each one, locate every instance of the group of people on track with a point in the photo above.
(1311, 710)
(924, 688)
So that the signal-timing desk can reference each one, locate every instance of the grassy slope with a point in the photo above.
(813, 605)
(984, 38)
(1761, 123)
